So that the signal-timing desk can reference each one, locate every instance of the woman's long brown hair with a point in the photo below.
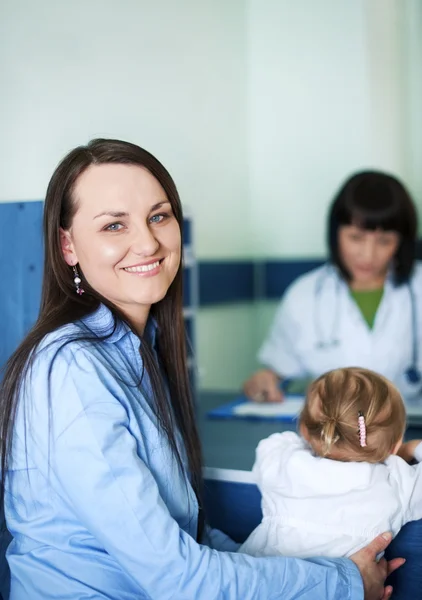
(61, 305)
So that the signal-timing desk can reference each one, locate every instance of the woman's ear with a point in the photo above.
(67, 247)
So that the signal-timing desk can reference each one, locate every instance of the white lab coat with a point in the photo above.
(318, 309)
(315, 506)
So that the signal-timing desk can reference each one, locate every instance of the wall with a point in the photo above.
(413, 74)
(325, 99)
(259, 108)
(170, 76)
(167, 75)
(334, 86)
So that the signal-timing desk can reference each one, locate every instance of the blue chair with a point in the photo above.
(5, 539)
(235, 508)
(407, 581)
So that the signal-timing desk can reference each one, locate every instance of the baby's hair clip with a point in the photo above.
(362, 429)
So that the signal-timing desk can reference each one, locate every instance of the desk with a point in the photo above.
(231, 443)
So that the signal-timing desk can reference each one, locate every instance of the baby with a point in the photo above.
(333, 489)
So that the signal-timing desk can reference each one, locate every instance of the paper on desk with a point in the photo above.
(288, 408)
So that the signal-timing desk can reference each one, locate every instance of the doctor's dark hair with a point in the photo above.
(334, 401)
(60, 305)
(374, 200)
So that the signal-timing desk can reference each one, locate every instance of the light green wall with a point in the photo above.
(226, 346)
(228, 338)
(329, 91)
(170, 76)
(413, 112)
(259, 108)
(327, 95)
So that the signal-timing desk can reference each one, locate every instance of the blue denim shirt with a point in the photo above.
(97, 505)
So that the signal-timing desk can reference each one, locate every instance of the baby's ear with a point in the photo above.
(304, 432)
(397, 446)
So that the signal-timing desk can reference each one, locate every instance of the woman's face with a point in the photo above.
(124, 236)
(367, 254)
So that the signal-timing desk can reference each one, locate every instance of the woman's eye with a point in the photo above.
(158, 218)
(113, 227)
(386, 241)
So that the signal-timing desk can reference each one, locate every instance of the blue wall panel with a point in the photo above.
(21, 255)
(279, 274)
(226, 281)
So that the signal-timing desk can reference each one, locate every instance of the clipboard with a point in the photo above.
(243, 408)
(287, 411)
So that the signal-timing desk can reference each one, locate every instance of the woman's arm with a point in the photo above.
(279, 351)
(279, 354)
(216, 539)
(93, 464)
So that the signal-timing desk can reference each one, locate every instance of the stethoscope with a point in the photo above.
(331, 341)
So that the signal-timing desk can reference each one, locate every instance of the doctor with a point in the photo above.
(364, 307)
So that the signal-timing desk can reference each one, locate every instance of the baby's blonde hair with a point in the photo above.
(334, 401)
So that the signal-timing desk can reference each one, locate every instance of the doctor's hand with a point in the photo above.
(264, 386)
(375, 573)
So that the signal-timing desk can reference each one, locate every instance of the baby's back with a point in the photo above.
(314, 506)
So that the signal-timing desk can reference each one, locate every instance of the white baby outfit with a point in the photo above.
(315, 506)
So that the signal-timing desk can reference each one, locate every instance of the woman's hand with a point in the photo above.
(375, 573)
(263, 386)
(407, 450)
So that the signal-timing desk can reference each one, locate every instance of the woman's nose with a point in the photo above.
(144, 243)
(368, 249)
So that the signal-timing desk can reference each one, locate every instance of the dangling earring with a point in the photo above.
(77, 281)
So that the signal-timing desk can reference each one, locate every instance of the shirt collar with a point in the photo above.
(103, 323)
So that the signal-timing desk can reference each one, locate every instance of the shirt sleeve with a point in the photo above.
(279, 351)
(216, 539)
(415, 500)
(93, 464)
(408, 484)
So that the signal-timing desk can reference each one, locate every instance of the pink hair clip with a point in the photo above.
(362, 429)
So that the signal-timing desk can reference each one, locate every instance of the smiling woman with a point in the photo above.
(124, 238)
(96, 418)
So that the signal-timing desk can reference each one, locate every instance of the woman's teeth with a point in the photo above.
(143, 268)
